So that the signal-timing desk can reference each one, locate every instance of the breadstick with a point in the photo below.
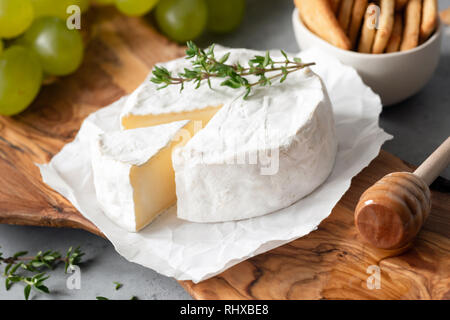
(368, 29)
(345, 12)
(319, 18)
(429, 19)
(400, 4)
(396, 36)
(445, 16)
(359, 8)
(384, 26)
(335, 5)
(413, 12)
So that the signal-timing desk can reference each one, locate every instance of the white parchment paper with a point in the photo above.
(191, 251)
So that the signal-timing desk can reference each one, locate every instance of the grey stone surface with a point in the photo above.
(418, 124)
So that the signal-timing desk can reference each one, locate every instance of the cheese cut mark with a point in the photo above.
(151, 177)
(141, 121)
(153, 182)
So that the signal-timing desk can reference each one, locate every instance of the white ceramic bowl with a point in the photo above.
(394, 76)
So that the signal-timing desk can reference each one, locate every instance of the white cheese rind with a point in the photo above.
(294, 119)
(137, 146)
(113, 156)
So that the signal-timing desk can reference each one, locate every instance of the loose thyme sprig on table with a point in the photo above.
(34, 265)
(205, 66)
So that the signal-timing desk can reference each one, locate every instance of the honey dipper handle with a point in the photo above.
(435, 164)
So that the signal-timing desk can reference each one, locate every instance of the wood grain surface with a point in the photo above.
(330, 263)
(120, 52)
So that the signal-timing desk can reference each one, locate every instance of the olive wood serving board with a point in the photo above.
(329, 263)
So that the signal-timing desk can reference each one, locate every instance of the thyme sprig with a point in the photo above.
(34, 267)
(205, 66)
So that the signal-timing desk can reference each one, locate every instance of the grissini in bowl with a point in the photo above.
(395, 76)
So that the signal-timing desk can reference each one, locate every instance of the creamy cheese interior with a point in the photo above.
(132, 121)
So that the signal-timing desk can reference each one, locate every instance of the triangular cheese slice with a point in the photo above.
(133, 173)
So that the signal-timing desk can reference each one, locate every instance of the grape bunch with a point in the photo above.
(35, 42)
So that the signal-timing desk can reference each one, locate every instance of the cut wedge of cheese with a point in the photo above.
(142, 121)
(133, 173)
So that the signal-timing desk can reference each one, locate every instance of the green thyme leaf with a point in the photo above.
(26, 291)
(8, 266)
(224, 58)
(7, 284)
(118, 285)
(20, 254)
(42, 288)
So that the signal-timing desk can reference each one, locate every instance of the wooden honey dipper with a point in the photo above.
(391, 212)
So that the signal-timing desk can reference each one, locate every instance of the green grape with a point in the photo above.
(20, 79)
(57, 8)
(182, 20)
(225, 16)
(135, 7)
(15, 17)
(59, 49)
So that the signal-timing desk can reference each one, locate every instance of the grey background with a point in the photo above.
(419, 125)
